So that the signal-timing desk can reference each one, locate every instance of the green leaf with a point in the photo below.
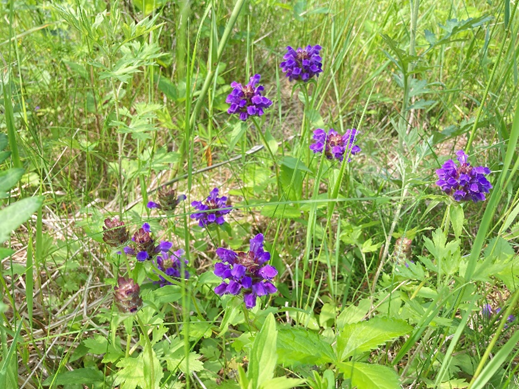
(148, 6)
(81, 376)
(237, 133)
(176, 358)
(354, 314)
(358, 338)
(294, 164)
(282, 383)
(366, 376)
(457, 217)
(97, 345)
(301, 346)
(263, 356)
(144, 371)
(3, 141)
(4, 154)
(169, 89)
(9, 178)
(16, 214)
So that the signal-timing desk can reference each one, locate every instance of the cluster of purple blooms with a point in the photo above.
(143, 245)
(302, 64)
(334, 145)
(463, 182)
(247, 100)
(171, 265)
(212, 209)
(246, 272)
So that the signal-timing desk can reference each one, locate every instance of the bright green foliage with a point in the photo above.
(360, 337)
(145, 371)
(366, 376)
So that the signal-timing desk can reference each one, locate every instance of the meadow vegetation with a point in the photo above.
(186, 203)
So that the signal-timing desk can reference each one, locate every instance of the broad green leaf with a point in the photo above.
(298, 346)
(237, 133)
(364, 336)
(144, 371)
(366, 376)
(9, 178)
(4, 155)
(97, 345)
(169, 89)
(282, 383)
(294, 163)
(16, 214)
(148, 6)
(176, 358)
(263, 356)
(81, 376)
(457, 217)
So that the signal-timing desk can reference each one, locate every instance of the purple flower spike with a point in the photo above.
(334, 145)
(170, 265)
(246, 272)
(247, 100)
(212, 209)
(302, 64)
(463, 182)
(143, 245)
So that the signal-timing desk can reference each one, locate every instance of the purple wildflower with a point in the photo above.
(463, 182)
(168, 200)
(302, 64)
(247, 100)
(170, 264)
(486, 311)
(144, 245)
(212, 209)
(246, 272)
(335, 145)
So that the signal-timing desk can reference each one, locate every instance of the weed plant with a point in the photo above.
(259, 194)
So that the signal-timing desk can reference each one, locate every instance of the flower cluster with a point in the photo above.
(143, 245)
(463, 182)
(168, 200)
(247, 100)
(302, 64)
(115, 233)
(211, 210)
(126, 295)
(487, 312)
(246, 272)
(171, 265)
(335, 145)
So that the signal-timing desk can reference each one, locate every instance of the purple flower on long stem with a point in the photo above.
(334, 145)
(143, 245)
(247, 100)
(302, 64)
(246, 272)
(212, 209)
(168, 200)
(171, 265)
(463, 182)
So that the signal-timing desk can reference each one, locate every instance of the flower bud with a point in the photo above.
(115, 232)
(126, 295)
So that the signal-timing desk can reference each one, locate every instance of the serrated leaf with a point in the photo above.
(176, 358)
(16, 214)
(97, 345)
(366, 376)
(82, 376)
(263, 356)
(298, 346)
(360, 337)
(144, 371)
